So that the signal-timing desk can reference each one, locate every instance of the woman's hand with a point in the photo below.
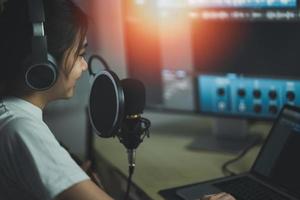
(219, 196)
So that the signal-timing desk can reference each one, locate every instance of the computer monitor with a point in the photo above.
(230, 59)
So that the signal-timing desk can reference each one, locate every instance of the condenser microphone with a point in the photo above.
(134, 127)
(115, 110)
(134, 99)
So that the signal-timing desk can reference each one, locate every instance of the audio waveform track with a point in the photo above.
(245, 3)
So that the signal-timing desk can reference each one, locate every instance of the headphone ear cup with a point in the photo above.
(42, 76)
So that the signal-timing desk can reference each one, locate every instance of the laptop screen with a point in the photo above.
(278, 161)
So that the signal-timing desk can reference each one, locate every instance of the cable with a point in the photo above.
(226, 171)
(129, 182)
(146, 125)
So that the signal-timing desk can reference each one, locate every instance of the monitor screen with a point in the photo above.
(229, 58)
(248, 48)
(244, 68)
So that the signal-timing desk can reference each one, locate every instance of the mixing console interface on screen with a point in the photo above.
(235, 95)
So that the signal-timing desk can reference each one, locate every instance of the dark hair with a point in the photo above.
(64, 21)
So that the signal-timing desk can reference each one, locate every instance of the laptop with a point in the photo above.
(275, 175)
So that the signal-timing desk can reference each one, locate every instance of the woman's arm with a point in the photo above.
(86, 190)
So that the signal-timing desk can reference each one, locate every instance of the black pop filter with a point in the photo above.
(106, 104)
(115, 109)
(135, 96)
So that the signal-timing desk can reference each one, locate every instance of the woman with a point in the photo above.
(32, 163)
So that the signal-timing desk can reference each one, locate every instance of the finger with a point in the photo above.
(228, 197)
(206, 197)
(211, 196)
(95, 177)
(86, 165)
(222, 196)
(96, 180)
(218, 196)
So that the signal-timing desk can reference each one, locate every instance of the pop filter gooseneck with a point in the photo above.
(115, 109)
(102, 61)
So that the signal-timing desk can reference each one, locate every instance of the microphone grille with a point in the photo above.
(134, 95)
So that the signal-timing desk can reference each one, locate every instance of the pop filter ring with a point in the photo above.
(120, 104)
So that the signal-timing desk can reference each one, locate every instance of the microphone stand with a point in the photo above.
(131, 161)
(133, 131)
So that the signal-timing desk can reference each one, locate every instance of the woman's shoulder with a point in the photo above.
(20, 126)
(23, 123)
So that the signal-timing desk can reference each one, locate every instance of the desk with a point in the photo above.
(163, 161)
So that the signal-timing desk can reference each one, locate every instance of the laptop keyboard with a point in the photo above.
(244, 188)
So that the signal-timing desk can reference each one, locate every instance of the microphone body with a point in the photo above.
(134, 127)
(131, 131)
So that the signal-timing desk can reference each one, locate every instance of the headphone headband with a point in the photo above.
(39, 40)
(36, 11)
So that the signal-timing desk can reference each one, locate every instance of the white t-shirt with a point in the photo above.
(33, 165)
